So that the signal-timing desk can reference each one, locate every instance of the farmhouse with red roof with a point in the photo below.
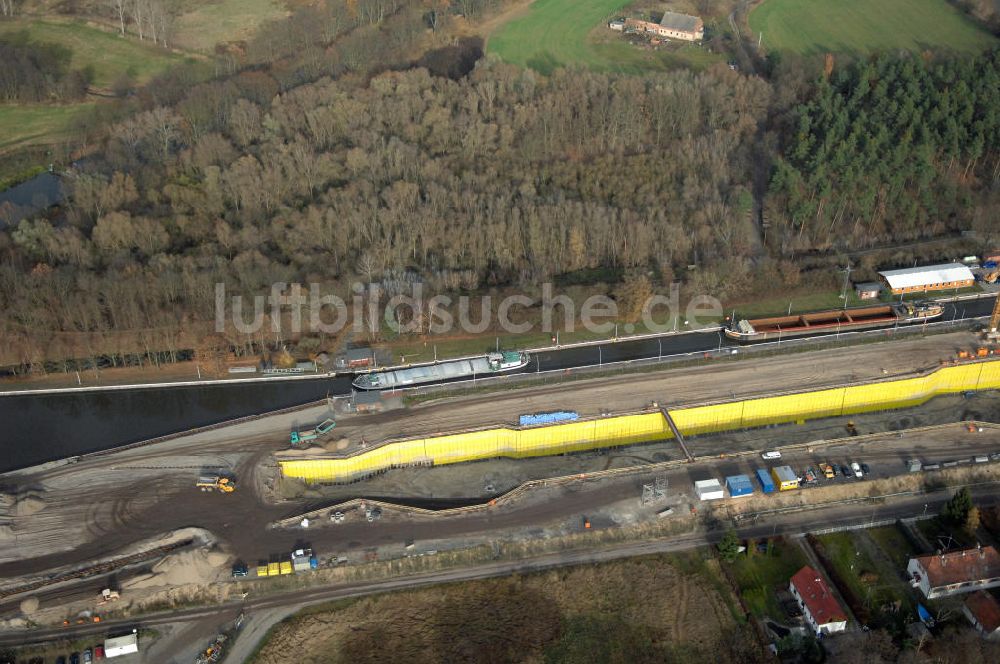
(819, 606)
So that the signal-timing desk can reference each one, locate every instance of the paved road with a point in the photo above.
(787, 524)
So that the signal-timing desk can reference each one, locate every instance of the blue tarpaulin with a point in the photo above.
(548, 418)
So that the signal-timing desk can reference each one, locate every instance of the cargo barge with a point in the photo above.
(474, 367)
(837, 320)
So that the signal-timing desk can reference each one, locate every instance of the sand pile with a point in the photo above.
(197, 566)
(29, 605)
(309, 450)
(336, 445)
(28, 504)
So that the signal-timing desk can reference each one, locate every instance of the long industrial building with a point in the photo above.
(927, 278)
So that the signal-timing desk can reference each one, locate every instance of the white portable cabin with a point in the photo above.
(709, 490)
(121, 645)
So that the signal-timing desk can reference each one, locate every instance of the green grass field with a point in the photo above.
(109, 54)
(38, 124)
(226, 20)
(862, 26)
(567, 33)
(760, 575)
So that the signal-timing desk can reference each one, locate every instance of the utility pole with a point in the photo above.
(847, 281)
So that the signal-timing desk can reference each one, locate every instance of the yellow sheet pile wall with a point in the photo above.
(647, 427)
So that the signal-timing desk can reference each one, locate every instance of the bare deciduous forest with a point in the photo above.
(362, 138)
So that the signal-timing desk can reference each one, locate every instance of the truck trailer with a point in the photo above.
(299, 437)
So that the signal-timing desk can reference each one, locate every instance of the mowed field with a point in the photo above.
(109, 54)
(567, 33)
(32, 124)
(862, 26)
(226, 20)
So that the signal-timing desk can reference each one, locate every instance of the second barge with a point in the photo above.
(836, 320)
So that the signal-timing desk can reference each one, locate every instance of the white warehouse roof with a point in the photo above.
(927, 275)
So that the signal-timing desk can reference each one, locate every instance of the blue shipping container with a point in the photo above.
(766, 483)
(548, 418)
(739, 485)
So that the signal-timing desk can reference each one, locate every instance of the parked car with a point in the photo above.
(74, 658)
(845, 470)
(239, 569)
(61, 659)
(99, 652)
(771, 454)
(88, 656)
(865, 469)
(856, 467)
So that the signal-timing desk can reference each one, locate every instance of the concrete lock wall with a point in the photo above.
(621, 430)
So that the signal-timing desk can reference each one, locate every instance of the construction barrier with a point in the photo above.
(620, 430)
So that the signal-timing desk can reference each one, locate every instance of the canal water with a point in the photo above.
(23, 200)
(39, 428)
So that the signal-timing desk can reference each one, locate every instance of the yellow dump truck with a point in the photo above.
(216, 483)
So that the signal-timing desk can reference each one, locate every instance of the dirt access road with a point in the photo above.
(790, 524)
(102, 504)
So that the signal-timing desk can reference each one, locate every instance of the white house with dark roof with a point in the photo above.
(955, 572)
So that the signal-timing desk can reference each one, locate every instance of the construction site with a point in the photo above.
(323, 495)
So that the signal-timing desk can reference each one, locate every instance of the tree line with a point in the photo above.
(340, 145)
(36, 71)
(151, 20)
